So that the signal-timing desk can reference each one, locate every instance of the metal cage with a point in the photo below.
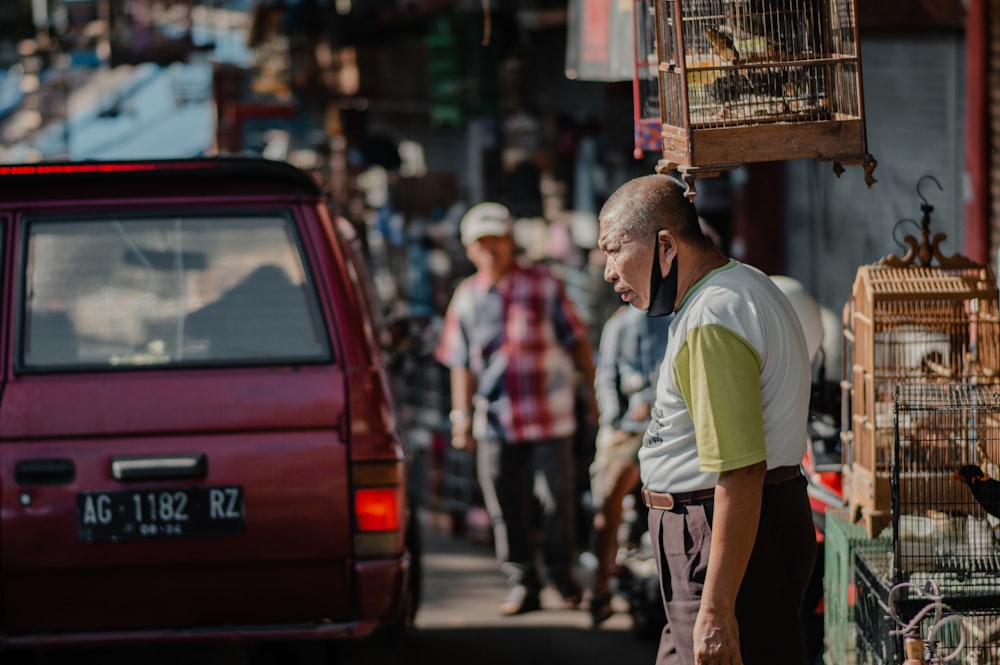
(942, 521)
(759, 80)
(954, 626)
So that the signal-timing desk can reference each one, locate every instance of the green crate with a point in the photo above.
(841, 538)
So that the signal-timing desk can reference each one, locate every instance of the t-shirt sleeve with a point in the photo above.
(606, 371)
(718, 373)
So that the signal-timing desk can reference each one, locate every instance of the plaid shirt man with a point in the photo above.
(514, 337)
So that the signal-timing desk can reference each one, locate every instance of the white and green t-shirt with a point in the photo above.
(734, 385)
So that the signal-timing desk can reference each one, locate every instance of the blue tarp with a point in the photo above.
(160, 112)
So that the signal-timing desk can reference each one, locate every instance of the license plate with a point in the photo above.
(160, 513)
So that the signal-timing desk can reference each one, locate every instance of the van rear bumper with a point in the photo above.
(317, 630)
(381, 587)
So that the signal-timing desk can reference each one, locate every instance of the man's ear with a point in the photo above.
(666, 249)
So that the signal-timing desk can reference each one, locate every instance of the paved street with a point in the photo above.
(459, 619)
(457, 623)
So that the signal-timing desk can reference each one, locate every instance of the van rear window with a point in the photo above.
(127, 292)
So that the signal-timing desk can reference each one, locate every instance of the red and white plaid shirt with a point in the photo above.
(514, 337)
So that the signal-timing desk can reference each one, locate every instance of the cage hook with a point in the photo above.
(896, 227)
(926, 207)
(923, 251)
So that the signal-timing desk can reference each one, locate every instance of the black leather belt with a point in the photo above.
(782, 474)
(667, 501)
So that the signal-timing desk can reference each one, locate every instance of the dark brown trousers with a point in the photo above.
(767, 607)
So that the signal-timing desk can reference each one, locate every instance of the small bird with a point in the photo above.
(723, 44)
(728, 87)
(985, 463)
(986, 490)
(991, 470)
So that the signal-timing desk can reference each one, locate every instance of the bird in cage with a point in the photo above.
(986, 490)
(725, 46)
(789, 26)
(984, 460)
(728, 87)
(772, 82)
(752, 77)
(990, 468)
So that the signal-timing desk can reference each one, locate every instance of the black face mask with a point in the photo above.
(662, 290)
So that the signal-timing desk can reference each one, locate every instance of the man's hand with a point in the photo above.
(639, 412)
(716, 638)
(734, 529)
(463, 386)
(620, 436)
(461, 431)
(464, 442)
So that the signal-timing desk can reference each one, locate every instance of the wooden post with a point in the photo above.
(977, 143)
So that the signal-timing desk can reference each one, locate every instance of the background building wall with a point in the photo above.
(913, 88)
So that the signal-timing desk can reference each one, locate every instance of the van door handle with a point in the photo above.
(52, 471)
(159, 467)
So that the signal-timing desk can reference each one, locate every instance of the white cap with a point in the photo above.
(485, 219)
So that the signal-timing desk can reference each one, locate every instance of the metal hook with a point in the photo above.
(896, 226)
(925, 206)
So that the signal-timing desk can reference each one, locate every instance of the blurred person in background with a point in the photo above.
(517, 349)
(628, 362)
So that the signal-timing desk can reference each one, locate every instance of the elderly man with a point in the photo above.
(729, 515)
(514, 344)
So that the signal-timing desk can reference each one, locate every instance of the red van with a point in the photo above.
(197, 433)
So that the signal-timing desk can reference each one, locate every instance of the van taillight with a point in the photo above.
(379, 507)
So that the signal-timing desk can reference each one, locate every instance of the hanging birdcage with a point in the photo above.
(909, 322)
(745, 81)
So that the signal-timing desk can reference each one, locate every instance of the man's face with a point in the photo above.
(493, 255)
(627, 264)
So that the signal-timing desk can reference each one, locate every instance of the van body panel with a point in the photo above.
(184, 465)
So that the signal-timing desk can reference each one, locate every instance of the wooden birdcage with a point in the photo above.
(908, 323)
(745, 81)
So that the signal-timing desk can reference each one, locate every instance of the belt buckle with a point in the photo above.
(658, 500)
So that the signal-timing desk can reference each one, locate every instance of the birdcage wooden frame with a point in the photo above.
(744, 81)
(908, 324)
